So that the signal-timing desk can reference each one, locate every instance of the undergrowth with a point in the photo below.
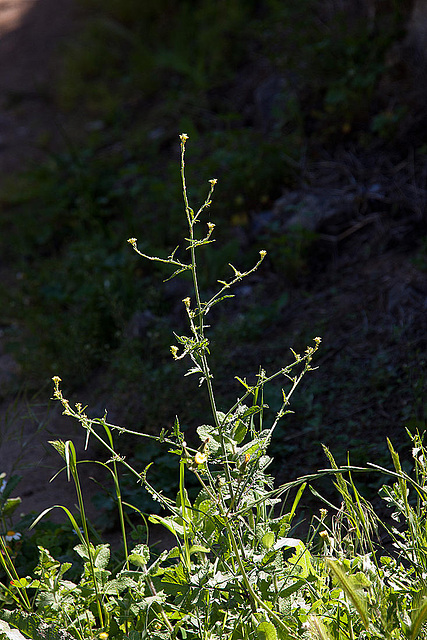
(238, 569)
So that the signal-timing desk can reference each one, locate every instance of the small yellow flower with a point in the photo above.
(103, 636)
(325, 536)
(183, 137)
(213, 181)
(132, 241)
(200, 457)
(187, 302)
(263, 253)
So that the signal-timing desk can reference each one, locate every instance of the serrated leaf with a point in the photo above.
(143, 551)
(266, 631)
(137, 559)
(207, 431)
(102, 556)
(119, 584)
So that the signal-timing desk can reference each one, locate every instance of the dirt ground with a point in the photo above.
(30, 33)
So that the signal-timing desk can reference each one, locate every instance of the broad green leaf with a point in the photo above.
(137, 560)
(301, 558)
(267, 540)
(34, 626)
(292, 587)
(10, 505)
(266, 631)
(102, 556)
(21, 583)
(82, 550)
(240, 431)
(207, 431)
(251, 410)
(140, 555)
(119, 584)
(169, 523)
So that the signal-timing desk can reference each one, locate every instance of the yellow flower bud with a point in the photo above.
(200, 457)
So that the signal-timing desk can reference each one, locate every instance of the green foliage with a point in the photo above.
(235, 569)
(338, 59)
(224, 537)
(151, 44)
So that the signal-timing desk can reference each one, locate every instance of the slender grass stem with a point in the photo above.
(71, 461)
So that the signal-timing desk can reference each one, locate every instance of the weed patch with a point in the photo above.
(237, 568)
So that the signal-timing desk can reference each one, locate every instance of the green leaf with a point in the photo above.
(119, 584)
(102, 556)
(11, 484)
(207, 431)
(22, 583)
(169, 523)
(266, 631)
(140, 555)
(301, 558)
(251, 410)
(267, 540)
(198, 548)
(34, 626)
(240, 431)
(419, 616)
(9, 507)
(349, 586)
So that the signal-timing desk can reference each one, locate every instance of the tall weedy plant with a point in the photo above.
(234, 571)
